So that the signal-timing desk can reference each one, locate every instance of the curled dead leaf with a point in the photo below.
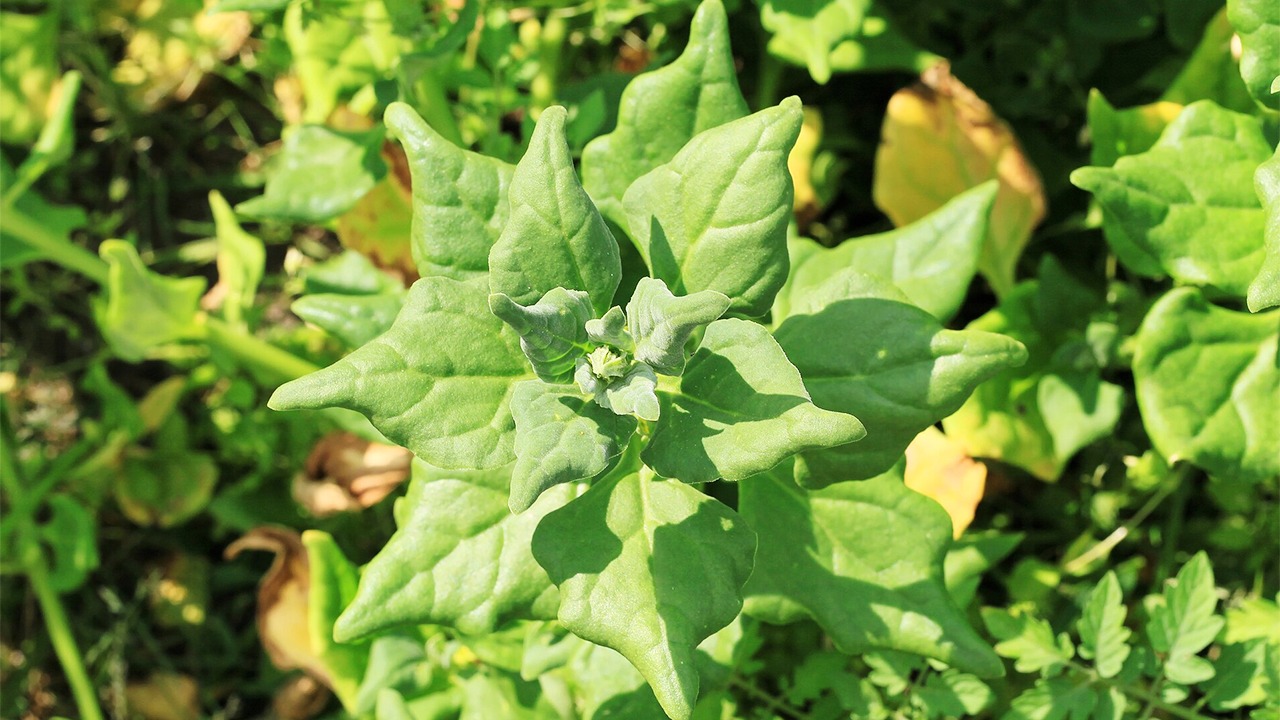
(807, 204)
(939, 468)
(345, 473)
(300, 698)
(283, 600)
(940, 139)
(380, 225)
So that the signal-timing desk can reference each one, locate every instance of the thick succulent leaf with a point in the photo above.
(1187, 208)
(662, 110)
(459, 198)
(861, 349)
(611, 330)
(561, 436)
(932, 260)
(634, 394)
(1264, 291)
(715, 217)
(141, 310)
(1186, 621)
(649, 568)
(461, 559)
(661, 323)
(439, 382)
(319, 174)
(1103, 636)
(939, 139)
(741, 408)
(1208, 385)
(553, 333)
(864, 560)
(1257, 22)
(554, 236)
(353, 319)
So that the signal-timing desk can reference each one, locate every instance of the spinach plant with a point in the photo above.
(574, 425)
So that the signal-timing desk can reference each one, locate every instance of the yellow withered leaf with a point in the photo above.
(379, 226)
(940, 139)
(939, 468)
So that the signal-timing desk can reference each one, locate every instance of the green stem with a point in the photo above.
(1152, 700)
(764, 697)
(255, 352)
(768, 80)
(435, 106)
(1173, 524)
(54, 247)
(64, 643)
(542, 90)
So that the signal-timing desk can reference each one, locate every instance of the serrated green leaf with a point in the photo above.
(1186, 208)
(555, 237)
(661, 323)
(561, 436)
(1053, 699)
(333, 581)
(1257, 22)
(353, 319)
(650, 569)
(864, 560)
(1264, 291)
(1027, 640)
(952, 693)
(1239, 676)
(861, 349)
(459, 198)
(932, 261)
(662, 110)
(241, 259)
(553, 333)
(439, 382)
(140, 310)
(1039, 415)
(461, 559)
(1208, 385)
(1103, 636)
(715, 217)
(319, 174)
(741, 408)
(1186, 622)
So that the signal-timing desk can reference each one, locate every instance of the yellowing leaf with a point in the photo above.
(800, 164)
(939, 468)
(379, 226)
(940, 139)
(164, 696)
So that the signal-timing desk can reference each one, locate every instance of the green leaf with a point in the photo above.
(954, 694)
(439, 382)
(1028, 640)
(715, 217)
(55, 143)
(862, 349)
(319, 174)
(661, 323)
(166, 487)
(1208, 385)
(1264, 291)
(333, 581)
(461, 559)
(1186, 208)
(932, 261)
(1239, 676)
(555, 237)
(353, 319)
(31, 211)
(611, 329)
(28, 72)
(1115, 133)
(553, 333)
(741, 408)
(140, 310)
(633, 394)
(1103, 636)
(1053, 699)
(459, 198)
(349, 273)
(1039, 415)
(1213, 70)
(864, 560)
(808, 32)
(561, 436)
(1257, 22)
(650, 569)
(241, 258)
(69, 533)
(664, 109)
(1186, 622)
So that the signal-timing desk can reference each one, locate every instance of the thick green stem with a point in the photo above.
(54, 247)
(64, 643)
(256, 353)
